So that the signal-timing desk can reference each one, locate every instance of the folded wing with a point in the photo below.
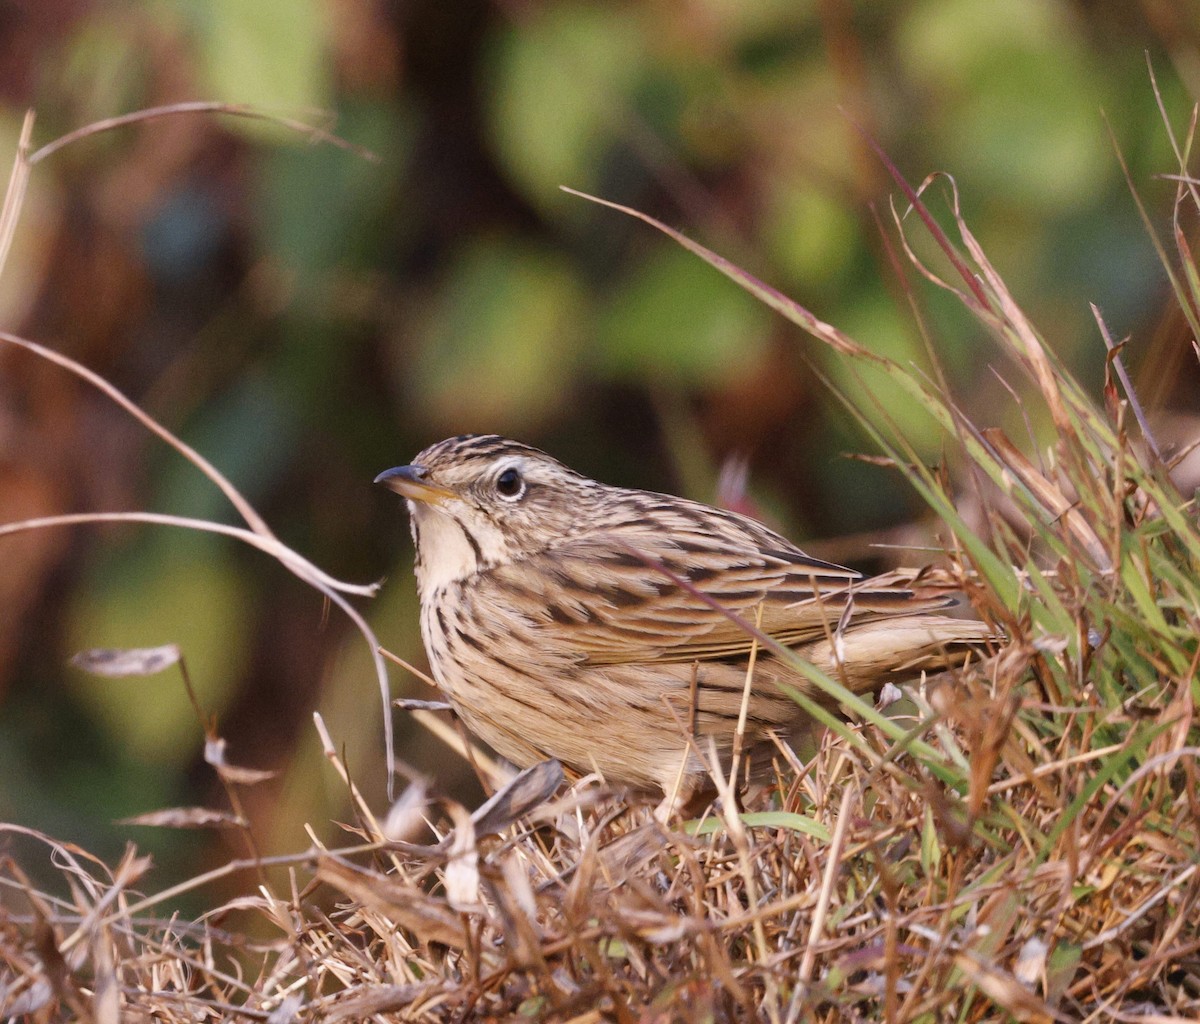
(631, 594)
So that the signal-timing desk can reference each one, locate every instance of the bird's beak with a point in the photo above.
(410, 482)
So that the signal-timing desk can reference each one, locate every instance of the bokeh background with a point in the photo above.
(306, 317)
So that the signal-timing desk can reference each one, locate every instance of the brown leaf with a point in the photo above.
(1005, 991)
(532, 787)
(409, 704)
(428, 918)
(244, 776)
(288, 1010)
(461, 874)
(367, 1001)
(106, 991)
(127, 661)
(214, 754)
(185, 817)
(406, 817)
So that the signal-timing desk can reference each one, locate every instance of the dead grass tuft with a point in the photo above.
(864, 886)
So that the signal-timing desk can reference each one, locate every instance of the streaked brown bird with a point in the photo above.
(556, 623)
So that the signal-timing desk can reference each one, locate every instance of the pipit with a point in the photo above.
(564, 618)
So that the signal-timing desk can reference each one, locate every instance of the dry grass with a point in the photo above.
(1021, 876)
(1018, 842)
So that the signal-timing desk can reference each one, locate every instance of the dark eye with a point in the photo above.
(510, 484)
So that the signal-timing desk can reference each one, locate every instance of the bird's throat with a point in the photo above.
(446, 551)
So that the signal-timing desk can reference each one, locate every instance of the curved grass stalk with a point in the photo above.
(258, 535)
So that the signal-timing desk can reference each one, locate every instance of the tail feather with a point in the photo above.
(872, 653)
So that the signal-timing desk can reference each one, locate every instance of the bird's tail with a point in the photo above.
(868, 654)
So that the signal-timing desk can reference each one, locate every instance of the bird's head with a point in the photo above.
(480, 500)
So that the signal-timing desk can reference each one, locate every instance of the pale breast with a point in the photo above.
(512, 684)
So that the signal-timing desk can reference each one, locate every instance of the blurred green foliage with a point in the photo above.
(307, 317)
(508, 317)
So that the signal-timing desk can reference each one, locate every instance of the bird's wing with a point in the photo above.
(630, 595)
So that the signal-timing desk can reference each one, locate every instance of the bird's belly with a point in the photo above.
(630, 722)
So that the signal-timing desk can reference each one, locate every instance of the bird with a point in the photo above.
(605, 627)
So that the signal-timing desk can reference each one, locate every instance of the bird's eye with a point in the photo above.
(510, 484)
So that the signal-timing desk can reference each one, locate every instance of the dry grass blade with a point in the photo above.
(244, 508)
(291, 560)
(9, 217)
(1049, 495)
(14, 195)
(772, 297)
(1114, 354)
(107, 124)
